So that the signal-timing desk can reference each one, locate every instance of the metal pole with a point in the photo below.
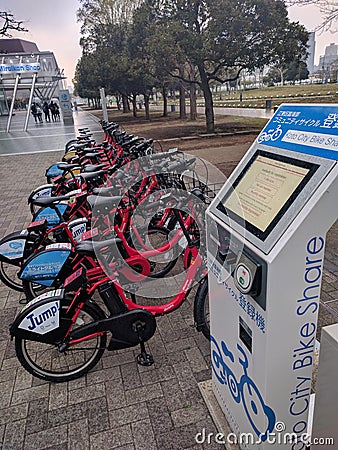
(30, 97)
(104, 105)
(30, 101)
(13, 99)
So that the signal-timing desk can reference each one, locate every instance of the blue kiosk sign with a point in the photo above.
(305, 129)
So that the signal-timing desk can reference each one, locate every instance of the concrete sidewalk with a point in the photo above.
(119, 404)
(47, 136)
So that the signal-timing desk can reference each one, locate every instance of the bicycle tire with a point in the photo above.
(45, 361)
(159, 269)
(32, 290)
(8, 275)
(201, 309)
(70, 144)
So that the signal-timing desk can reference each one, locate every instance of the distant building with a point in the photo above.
(328, 64)
(311, 49)
(17, 46)
(26, 75)
(330, 56)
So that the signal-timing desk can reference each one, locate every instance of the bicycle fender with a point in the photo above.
(41, 320)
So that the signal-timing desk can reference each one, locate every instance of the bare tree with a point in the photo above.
(328, 8)
(8, 23)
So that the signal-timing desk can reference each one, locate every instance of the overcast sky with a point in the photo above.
(52, 26)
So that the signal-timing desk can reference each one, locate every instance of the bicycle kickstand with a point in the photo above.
(144, 358)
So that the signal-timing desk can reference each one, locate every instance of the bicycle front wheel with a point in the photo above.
(201, 309)
(9, 276)
(46, 361)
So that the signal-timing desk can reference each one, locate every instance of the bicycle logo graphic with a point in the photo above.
(261, 417)
(270, 135)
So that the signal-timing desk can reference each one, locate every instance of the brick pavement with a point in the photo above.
(119, 404)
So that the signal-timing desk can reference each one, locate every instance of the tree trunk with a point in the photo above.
(134, 105)
(146, 106)
(125, 103)
(209, 105)
(118, 102)
(165, 101)
(193, 102)
(183, 110)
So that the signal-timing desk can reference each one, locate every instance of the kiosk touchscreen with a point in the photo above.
(265, 240)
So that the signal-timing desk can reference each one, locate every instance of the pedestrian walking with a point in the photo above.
(45, 109)
(39, 113)
(34, 112)
(54, 109)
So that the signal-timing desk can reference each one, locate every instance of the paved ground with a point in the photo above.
(119, 404)
(41, 137)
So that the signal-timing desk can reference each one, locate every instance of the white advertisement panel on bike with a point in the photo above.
(266, 239)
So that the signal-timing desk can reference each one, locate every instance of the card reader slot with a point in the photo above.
(245, 334)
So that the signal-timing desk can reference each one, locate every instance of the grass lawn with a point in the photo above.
(255, 98)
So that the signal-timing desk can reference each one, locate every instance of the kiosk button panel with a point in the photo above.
(248, 275)
(243, 277)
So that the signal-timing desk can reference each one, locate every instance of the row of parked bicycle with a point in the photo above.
(115, 222)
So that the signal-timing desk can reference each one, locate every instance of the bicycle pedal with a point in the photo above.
(145, 359)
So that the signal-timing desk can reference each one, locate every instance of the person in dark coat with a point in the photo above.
(34, 112)
(45, 109)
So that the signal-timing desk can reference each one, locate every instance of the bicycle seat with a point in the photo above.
(86, 150)
(89, 168)
(106, 191)
(79, 146)
(103, 204)
(90, 247)
(48, 201)
(179, 165)
(85, 135)
(65, 166)
(92, 154)
(90, 175)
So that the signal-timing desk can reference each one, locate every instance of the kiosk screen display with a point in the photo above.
(265, 190)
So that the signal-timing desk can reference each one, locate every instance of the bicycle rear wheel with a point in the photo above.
(46, 361)
(162, 263)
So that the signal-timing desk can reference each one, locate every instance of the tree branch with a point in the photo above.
(7, 22)
(186, 80)
(220, 80)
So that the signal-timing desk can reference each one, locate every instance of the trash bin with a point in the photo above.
(172, 108)
(268, 103)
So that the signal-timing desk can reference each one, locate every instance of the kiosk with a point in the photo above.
(265, 240)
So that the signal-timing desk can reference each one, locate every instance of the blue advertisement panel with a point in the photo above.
(50, 214)
(309, 129)
(45, 267)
